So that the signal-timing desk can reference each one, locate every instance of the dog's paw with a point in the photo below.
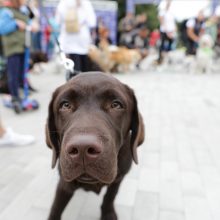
(109, 216)
(51, 217)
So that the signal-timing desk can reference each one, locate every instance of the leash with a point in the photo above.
(65, 61)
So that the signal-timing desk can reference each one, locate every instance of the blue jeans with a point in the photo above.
(15, 73)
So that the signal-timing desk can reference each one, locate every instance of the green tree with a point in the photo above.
(149, 9)
(152, 15)
(121, 8)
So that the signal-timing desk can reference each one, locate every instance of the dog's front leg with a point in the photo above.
(107, 209)
(62, 198)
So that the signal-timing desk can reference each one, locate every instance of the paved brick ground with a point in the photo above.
(178, 177)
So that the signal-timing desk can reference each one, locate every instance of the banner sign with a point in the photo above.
(130, 4)
(107, 12)
(215, 3)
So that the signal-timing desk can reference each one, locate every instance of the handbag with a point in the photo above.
(72, 21)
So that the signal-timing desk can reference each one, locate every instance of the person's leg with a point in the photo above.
(162, 45)
(15, 73)
(13, 64)
(187, 47)
(36, 41)
(191, 50)
(2, 129)
(195, 47)
(77, 61)
(170, 42)
(77, 66)
(21, 70)
(86, 66)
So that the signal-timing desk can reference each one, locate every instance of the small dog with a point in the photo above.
(124, 58)
(204, 57)
(101, 58)
(113, 58)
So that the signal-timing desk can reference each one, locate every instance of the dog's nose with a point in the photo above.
(86, 147)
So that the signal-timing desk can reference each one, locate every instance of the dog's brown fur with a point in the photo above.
(110, 59)
(94, 128)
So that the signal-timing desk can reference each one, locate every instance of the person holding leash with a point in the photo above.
(76, 18)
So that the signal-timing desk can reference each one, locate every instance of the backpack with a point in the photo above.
(71, 21)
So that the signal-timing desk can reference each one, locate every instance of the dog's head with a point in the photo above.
(90, 118)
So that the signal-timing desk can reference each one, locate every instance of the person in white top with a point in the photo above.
(76, 19)
(167, 30)
(195, 28)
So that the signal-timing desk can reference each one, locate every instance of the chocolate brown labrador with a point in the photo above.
(93, 128)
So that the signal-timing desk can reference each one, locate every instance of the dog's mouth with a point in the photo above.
(85, 178)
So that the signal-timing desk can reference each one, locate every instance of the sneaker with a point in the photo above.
(17, 107)
(14, 139)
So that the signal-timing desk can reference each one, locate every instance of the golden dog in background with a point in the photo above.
(113, 58)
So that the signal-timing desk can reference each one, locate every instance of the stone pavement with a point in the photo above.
(178, 176)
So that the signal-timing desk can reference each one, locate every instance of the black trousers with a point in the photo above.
(81, 62)
(191, 47)
(166, 44)
(15, 73)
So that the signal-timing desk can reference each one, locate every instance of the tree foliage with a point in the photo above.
(121, 8)
(152, 15)
(150, 10)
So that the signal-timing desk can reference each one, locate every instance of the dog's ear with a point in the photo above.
(52, 137)
(137, 129)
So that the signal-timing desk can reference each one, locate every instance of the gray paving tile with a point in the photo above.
(146, 206)
(197, 208)
(127, 192)
(192, 184)
(169, 215)
(171, 196)
(149, 180)
(124, 212)
(35, 214)
(178, 177)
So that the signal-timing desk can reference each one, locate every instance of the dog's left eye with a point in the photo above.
(65, 105)
(116, 105)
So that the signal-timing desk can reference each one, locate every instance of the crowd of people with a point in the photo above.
(170, 33)
(134, 33)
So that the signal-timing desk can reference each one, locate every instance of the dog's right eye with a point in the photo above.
(65, 105)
